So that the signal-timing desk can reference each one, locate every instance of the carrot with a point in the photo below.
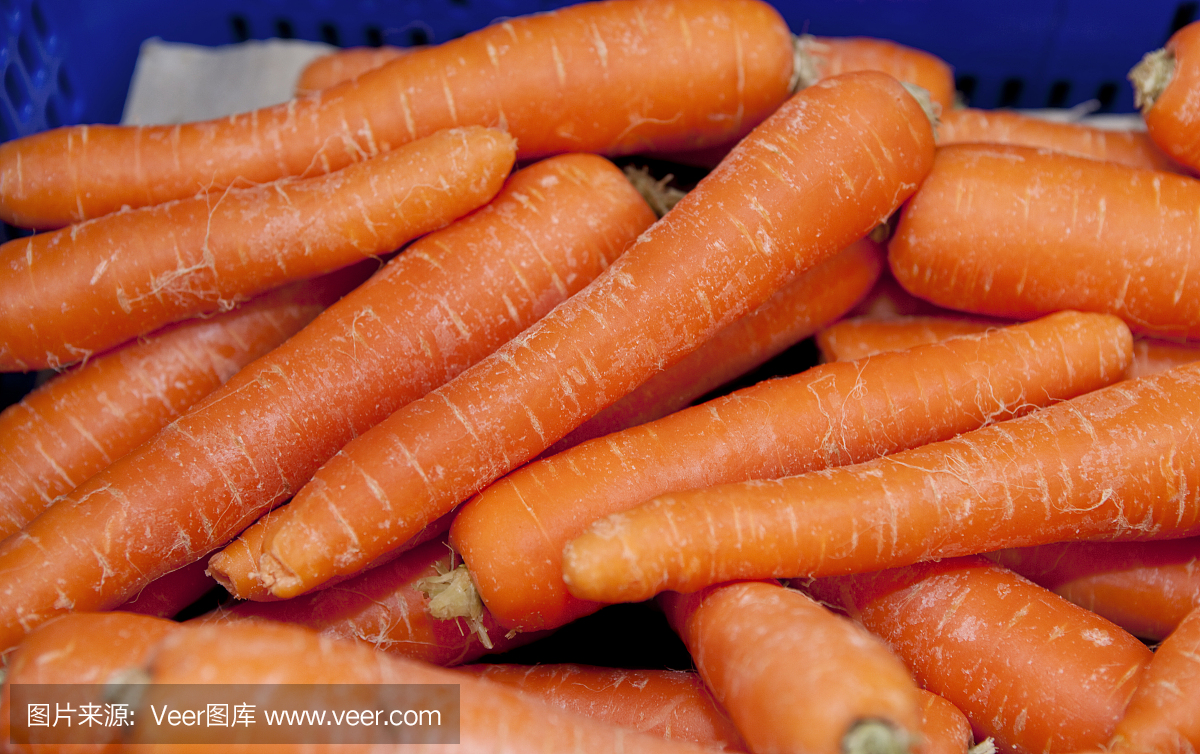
(792, 193)
(1147, 588)
(1028, 668)
(614, 77)
(1019, 232)
(821, 57)
(859, 337)
(491, 718)
(448, 300)
(944, 728)
(1164, 85)
(671, 704)
(72, 292)
(795, 312)
(1132, 148)
(1117, 464)
(81, 421)
(1161, 717)
(386, 608)
(1151, 355)
(172, 593)
(343, 65)
(888, 299)
(830, 415)
(793, 675)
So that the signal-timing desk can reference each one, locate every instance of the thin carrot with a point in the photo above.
(794, 192)
(448, 300)
(386, 608)
(821, 57)
(795, 312)
(343, 65)
(793, 675)
(859, 337)
(1019, 232)
(1164, 86)
(944, 728)
(827, 416)
(79, 290)
(1152, 355)
(614, 77)
(170, 594)
(671, 704)
(491, 718)
(1118, 464)
(81, 421)
(1028, 668)
(1147, 588)
(1132, 148)
(889, 299)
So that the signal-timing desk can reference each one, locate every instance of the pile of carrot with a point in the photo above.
(348, 397)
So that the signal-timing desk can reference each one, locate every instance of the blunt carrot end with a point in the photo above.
(451, 595)
(875, 737)
(1151, 76)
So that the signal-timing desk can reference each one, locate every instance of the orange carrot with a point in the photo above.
(79, 422)
(171, 593)
(794, 676)
(1162, 715)
(830, 415)
(1147, 588)
(448, 300)
(386, 608)
(614, 77)
(1164, 86)
(69, 293)
(1019, 232)
(944, 728)
(860, 337)
(888, 299)
(1151, 355)
(343, 65)
(492, 717)
(794, 192)
(1092, 467)
(1028, 668)
(671, 704)
(1132, 148)
(821, 57)
(795, 312)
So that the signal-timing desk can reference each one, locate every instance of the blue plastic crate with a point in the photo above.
(70, 61)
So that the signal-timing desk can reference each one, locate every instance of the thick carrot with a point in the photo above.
(671, 704)
(614, 77)
(1019, 232)
(386, 608)
(492, 717)
(448, 300)
(1132, 148)
(1163, 717)
(79, 422)
(72, 292)
(343, 65)
(1028, 668)
(1119, 464)
(793, 193)
(859, 337)
(1147, 588)
(1164, 85)
(821, 57)
(944, 728)
(795, 312)
(793, 675)
(830, 415)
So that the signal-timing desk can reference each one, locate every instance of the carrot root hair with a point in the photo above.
(1151, 76)
(875, 736)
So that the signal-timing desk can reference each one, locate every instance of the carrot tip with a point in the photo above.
(657, 193)
(875, 737)
(126, 686)
(1151, 76)
(452, 594)
(986, 746)
(804, 65)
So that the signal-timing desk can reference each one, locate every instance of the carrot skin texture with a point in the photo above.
(493, 718)
(944, 728)
(451, 298)
(1146, 588)
(340, 66)
(1163, 717)
(859, 337)
(987, 234)
(81, 421)
(615, 77)
(69, 293)
(1151, 355)
(747, 228)
(794, 313)
(1132, 148)
(792, 675)
(382, 607)
(831, 56)
(671, 704)
(1173, 117)
(1027, 667)
(831, 415)
(1108, 478)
